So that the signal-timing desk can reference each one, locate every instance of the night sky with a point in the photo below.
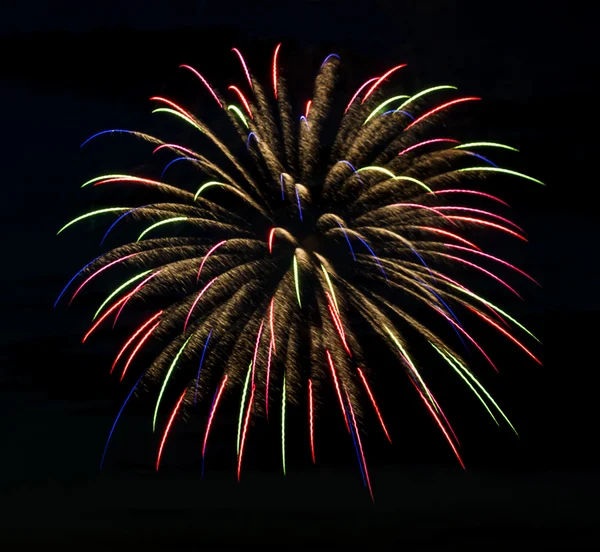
(68, 70)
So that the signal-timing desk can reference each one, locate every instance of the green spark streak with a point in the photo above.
(505, 171)
(482, 389)
(283, 425)
(377, 169)
(244, 393)
(98, 212)
(485, 145)
(238, 112)
(207, 185)
(427, 91)
(106, 177)
(297, 281)
(164, 385)
(451, 364)
(382, 105)
(121, 287)
(330, 288)
(412, 366)
(414, 181)
(181, 115)
(479, 298)
(160, 223)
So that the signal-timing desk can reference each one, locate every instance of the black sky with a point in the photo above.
(69, 69)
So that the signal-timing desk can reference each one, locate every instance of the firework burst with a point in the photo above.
(286, 244)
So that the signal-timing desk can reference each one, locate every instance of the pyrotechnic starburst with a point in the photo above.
(285, 244)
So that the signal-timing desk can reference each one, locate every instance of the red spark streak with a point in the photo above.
(132, 338)
(381, 79)
(337, 388)
(369, 392)
(449, 234)
(439, 108)
(275, 68)
(308, 104)
(205, 83)
(433, 141)
(256, 349)
(239, 54)
(137, 348)
(490, 224)
(210, 251)
(212, 413)
(242, 99)
(271, 236)
(358, 92)
(162, 444)
(196, 301)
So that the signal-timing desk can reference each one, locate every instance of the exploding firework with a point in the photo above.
(287, 242)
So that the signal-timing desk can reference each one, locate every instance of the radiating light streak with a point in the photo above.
(145, 338)
(99, 271)
(271, 236)
(162, 174)
(427, 142)
(239, 54)
(498, 260)
(338, 324)
(477, 267)
(102, 318)
(469, 384)
(160, 223)
(377, 169)
(121, 217)
(205, 288)
(485, 144)
(272, 323)
(200, 366)
(503, 171)
(374, 256)
(120, 288)
(503, 331)
(440, 108)
(299, 204)
(258, 336)
(109, 177)
(250, 135)
(329, 284)
(176, 147)
(212, 92)
(441, 426)
(248, 413)
(449, 234)
(268, 377)
(374, 403)
(490, 224)
(112, 429)
(427, 91)
(166, 381)
(347, 239)
(482, 158)
(297, 281)
(117, 130)
(164, 439)
(380, 80)
(311, 419)
(239, 113)
(473, 192)
(364, 85)
(208, 253)
(275, 54)
(480, 212)
(360, 448)
(133, 337)
(282, 187)
(337, 387)
(208, 185)
(303, 118)
(186, 114)
(283, 390)
(93, 213)
(327, 58)
(73, 279)
(180, 115)
(307, 110)
(242, 99)
(382, 105)
(211, 416)
(244, 393)
(136, 289)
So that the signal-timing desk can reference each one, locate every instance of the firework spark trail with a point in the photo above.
(273, 238)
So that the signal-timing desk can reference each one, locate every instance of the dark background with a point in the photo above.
(68, 70)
